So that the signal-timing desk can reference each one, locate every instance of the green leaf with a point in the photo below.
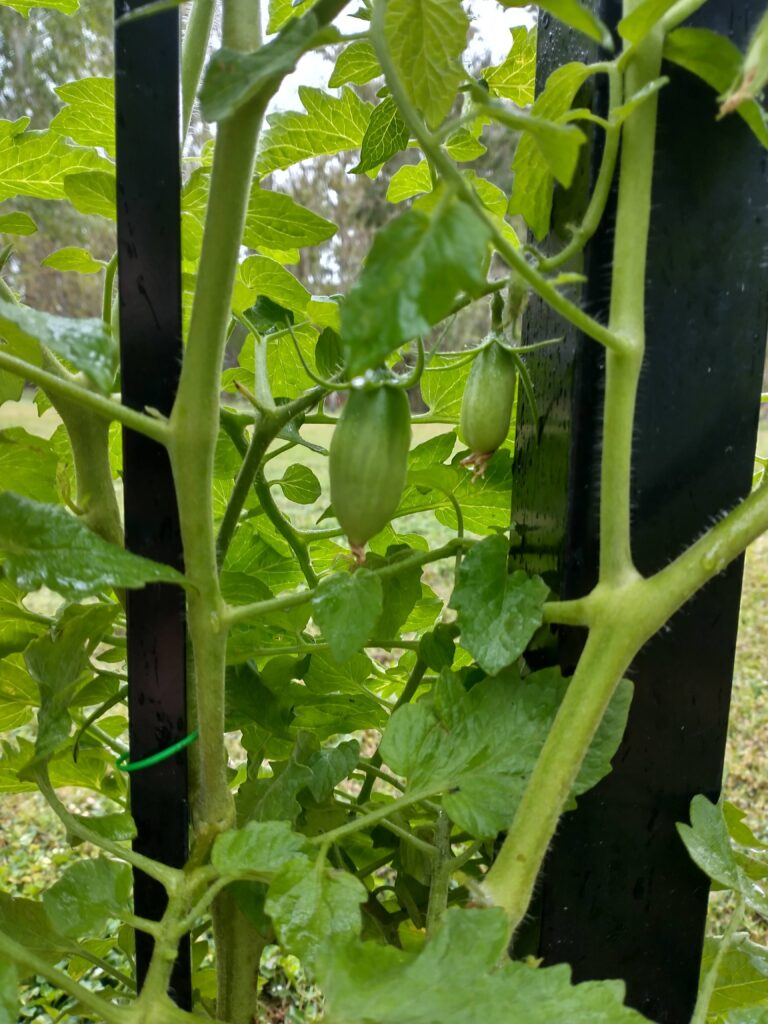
(426, 39)
(72, 258)
(742, 979)
(461, 976)
(717, 61)
(399, 595)
(312, 907)
(532, 191)
(276, 221)
(709, 844)
(355, 65)
(36, 163)
(9, 993)
(386, 135)
(26, 922)
(300, 485)
(267, 277)
(87, 895)
(498, 613)
(46, 546)
(515, 79)
(260, 848)
(572, 13)
(87, 344)
(28, 466)
(622, 112)
(88, 118)
(92, 192)
(416, 268)
(409, 180)
(326, 312)
(276, 798)
(281, 11)
(233, 78)
(346, 606)
(17, 224)
(462, 146)
(24, 7)
(329, 125)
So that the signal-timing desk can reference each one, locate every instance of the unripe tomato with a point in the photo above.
(486, 407)
(369, 460)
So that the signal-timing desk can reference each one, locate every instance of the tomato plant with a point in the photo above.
(379, 825)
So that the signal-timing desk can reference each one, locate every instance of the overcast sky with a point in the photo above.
(491, 22)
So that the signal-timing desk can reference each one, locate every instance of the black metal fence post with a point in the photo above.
(620, 897)
(149, 253)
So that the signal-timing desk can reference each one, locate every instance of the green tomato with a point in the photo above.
(369, 461)
(486, 408)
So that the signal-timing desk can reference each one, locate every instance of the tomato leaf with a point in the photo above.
(74, 259)
(416, 268)
(386, 134)
(9, 993)
(43, 545)
(17, 224)
(355, 65)
(86, 343)
(300, 485)
(87, 895)
(498, 613)
(88, 117)
(346, 606)
(515, 78)
(260, 848)
(575, 14)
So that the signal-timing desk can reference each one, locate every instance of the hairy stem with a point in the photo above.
(194, 48)
(440, 881)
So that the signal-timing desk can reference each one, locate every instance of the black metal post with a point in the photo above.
(620, 898)
(149, 255)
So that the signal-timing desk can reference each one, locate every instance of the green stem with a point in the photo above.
(365, 820)
(246, 612)
(168, 877)
(627, 317)
(440, 882)
(599, 200)
(409, 692)
(109, 279)
(239, 948)
(511, 880)
(709, 983)
(194, 48)
(103, 1009)
(106, 408)
(451, 174)
(285, 528)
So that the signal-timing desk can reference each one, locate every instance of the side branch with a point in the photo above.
(106, 408)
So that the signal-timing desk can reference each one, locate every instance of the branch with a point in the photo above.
(439, 159)
(246, 612)
(106, 408)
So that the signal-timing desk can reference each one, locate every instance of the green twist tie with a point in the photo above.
(125, 766)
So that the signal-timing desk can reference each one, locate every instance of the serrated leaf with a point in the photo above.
(87, 344)
(261, 848)
(461, 976)
(426, 39)
(87, 895)
(717, 61)
(416, 268)
(277, 221)
(92, 192)
(88, 118)
(44, 545)
(27, 465)
(24, 7)
(346, 606)
(266, 277)
(515, 79)
(329, 125)
(532, 191)
(312, 906)
(355, 65)
(71, 258)
(233, 78)
(709, 844)
(281, 12)
(386, 135)
(17, 224)
(462, 146)
(36, 163)
(409, 180)
(498, 613)
(300, 485)
(573, 13)
(26, 921)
